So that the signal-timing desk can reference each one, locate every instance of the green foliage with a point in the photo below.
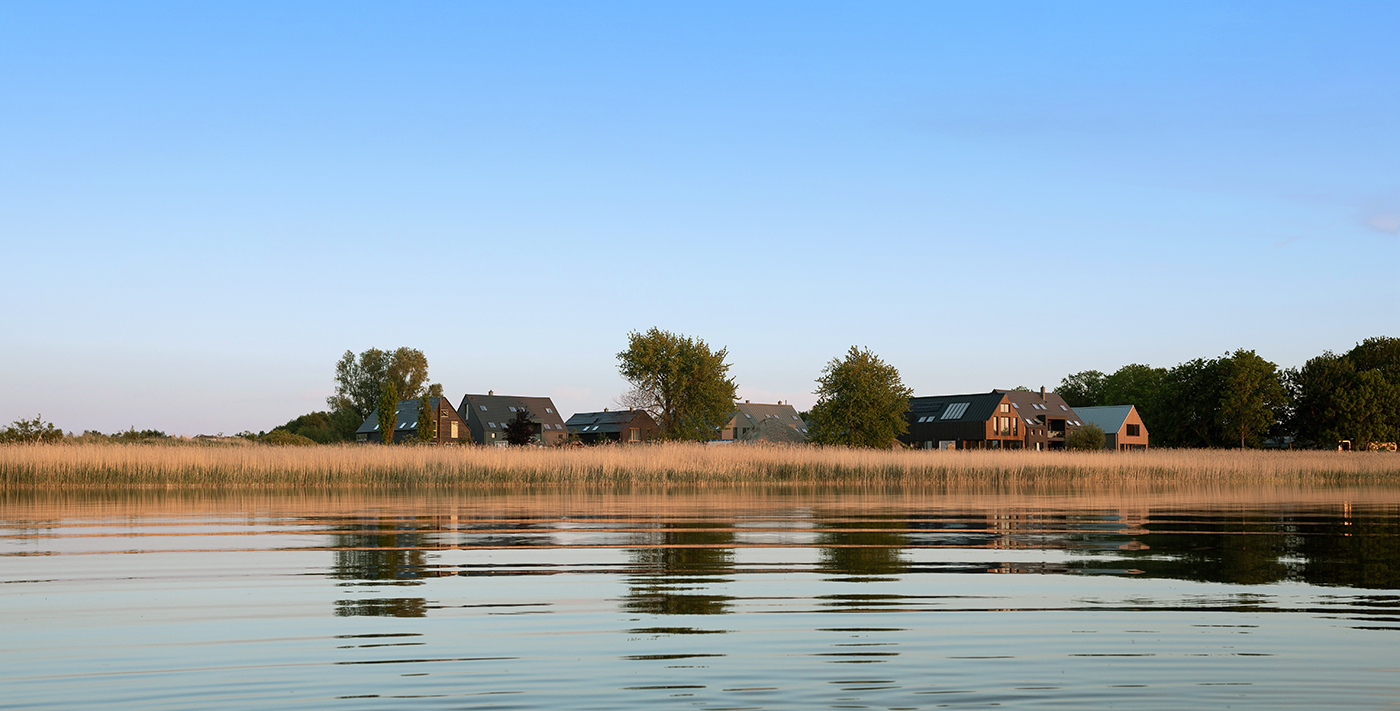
(1084, 389)
(1189, 405)
(1087, 438)
(31, 431)
(325, 427)
(1251, 398)
(521, 428)
(281, 437)
(359, 383)
(427, 420)
(134, 435)
(388, 412)
(861, 402)
(680, 381)
(1355, 396)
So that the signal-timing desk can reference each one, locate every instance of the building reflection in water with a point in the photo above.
(381, 553)
(672, 575)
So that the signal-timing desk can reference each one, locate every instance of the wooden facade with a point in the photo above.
(621, 426)
(451, 428)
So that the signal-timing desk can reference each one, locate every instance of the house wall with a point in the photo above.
(1124, 441)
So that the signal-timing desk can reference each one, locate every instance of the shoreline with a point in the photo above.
(142, 466)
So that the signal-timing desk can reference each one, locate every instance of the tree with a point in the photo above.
(861, 402)
(31, 431)
(388, 412)
(427, 420)
(1251, 399)
(1188, 405)
(1090, 437)
(1135, 384)
(359, 383)
(521, 428)
(680, 382)
(1355, 396)
(1084, 389)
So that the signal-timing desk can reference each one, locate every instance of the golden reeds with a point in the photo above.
(145, 466)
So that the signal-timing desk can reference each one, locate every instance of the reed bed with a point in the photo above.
(173, 467)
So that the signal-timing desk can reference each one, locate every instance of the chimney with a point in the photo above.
(746, 402)
(1042, 392)
(493, 392)
(605, 409)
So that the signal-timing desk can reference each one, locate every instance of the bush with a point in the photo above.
(1087, 438)
(35, 430)
(283, 438)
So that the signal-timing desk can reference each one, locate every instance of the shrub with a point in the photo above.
(1088, 437)
(281, 437)
(35, 430)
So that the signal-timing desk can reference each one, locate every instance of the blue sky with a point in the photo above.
(203, 205)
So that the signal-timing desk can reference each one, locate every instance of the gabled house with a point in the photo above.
(1045, 417)
(974, 421)
(625, 426)
(1122, 427)
(450, 427)
(748, 415)
(486, 417)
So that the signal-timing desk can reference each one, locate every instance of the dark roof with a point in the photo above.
(756, 412)
(407, 417)
(502, 408)
(606, 421)
(1029, 406)
(974, 407)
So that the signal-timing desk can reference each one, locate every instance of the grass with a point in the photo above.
(68, 467)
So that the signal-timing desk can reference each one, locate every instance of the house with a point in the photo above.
(616, 426)
(1122, 427)
(748, 415)
(486, 417)
(974, 421)
(1045, 417)
(450, 427)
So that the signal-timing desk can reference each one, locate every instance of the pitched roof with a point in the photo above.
(605, 421)
(975, 407)
(756, 412)
(502, 408)
(1029, 406)
(406, 419)
(1109, 418)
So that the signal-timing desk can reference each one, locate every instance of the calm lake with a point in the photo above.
(733, 598)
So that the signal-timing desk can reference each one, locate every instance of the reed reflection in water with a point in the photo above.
(758, 599)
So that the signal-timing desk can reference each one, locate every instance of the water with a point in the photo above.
(726, 599)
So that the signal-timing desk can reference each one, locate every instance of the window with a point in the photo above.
(1065, 408)
(955, 411)
(1005, 407)
(493, 425)
(1134, 431)
(795, 418)
(454, 430)
(549, 411)
(633, 435)
(483, 408)
(512, 409)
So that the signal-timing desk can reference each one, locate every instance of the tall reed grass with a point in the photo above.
(137, 466)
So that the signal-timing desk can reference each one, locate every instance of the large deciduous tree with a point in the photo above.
(1355, 396)
(683, 384)
(861, 402)
(1083, 389)
(1251, 399)
(359, 382)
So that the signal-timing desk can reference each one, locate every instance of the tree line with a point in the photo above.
(1240, 399)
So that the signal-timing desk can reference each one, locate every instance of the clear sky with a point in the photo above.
(203, 205)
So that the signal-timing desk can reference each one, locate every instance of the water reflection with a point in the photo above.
(389, 552)
(673, 574)
(863, 551)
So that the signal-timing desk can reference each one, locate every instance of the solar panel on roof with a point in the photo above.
(955, 411)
